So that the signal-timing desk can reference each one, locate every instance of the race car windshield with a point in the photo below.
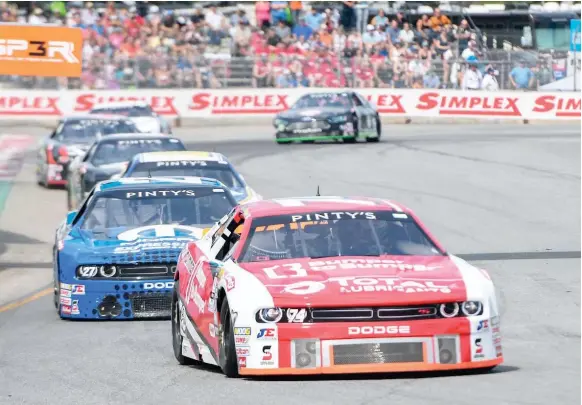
(110, 152)
(214, 170)
(341, 100)
(133, 111)
(128, 209)
(84, 131)
(333, 234)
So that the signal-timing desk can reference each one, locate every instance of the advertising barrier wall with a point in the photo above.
(210, 103)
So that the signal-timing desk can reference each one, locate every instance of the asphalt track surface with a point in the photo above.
(505, 197)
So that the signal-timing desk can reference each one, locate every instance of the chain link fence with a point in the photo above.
(188, 71)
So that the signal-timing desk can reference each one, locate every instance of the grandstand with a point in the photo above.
(224, 44)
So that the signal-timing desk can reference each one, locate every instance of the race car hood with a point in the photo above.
(113, 168)
(149, 244)
(360, 281)
(147, 124)
(299, 114)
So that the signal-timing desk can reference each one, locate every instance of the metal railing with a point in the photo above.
(171, 72)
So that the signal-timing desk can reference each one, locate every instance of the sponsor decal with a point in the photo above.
(66, 309)
(267, 333)
(333, 216)
(78, 289)
(75, 308)
(483, 325)
(304, 288)
(267, 359)
(242, 331)
(224, 103)
(161, 193)
(197, 280)
(296, 315)
(66, 293)
(368, 284)
(296, 270)
(478, 349)
(474, 104)
(181, 163)
(88, 271)
(158, 286)
(559, 106)
(212, 330)
(163, 105)
(129, 247)
(66, 286)
(229, 281)
(123, 142)
(242, 362)
(213, 296)
(66, 301)
(379, 330)
(241, 340)
(243, 351)
(34, 50)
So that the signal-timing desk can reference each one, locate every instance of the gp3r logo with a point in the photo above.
(52, 50)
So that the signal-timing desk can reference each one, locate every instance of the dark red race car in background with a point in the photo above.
(72, 137)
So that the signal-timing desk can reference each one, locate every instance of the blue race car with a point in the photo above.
(115, 258)
(192, 163)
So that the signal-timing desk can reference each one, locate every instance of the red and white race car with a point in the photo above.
(330, 285)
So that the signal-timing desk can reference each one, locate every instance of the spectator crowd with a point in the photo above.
(288, 44)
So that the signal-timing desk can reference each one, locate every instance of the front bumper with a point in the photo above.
(334, 132)
(116, 299)
(430, 345)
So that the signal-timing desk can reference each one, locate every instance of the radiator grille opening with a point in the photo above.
(151, 305)
(378, 353)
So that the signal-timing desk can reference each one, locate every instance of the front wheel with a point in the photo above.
(378, 132)
(178, 326)
(226, 351)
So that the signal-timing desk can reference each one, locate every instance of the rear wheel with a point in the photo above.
(177, 326)
(378, 132)
(226, 350)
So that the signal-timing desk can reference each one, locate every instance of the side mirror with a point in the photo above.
(71, 216)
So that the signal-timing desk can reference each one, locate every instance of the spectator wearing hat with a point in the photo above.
(489, 80)
(472, 78)
(521, 77)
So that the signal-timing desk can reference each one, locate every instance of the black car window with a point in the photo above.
(123, 150)
(129, 111)
(357, 100)
(85, 131)
(322, 100)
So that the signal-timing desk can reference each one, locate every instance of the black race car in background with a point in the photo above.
(72, 137)
(108, 157)
(334, 116)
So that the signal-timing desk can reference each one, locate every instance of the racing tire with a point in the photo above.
(177, 337)
(227, 359)
(378, 132)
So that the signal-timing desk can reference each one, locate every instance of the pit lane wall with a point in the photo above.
(18, 105)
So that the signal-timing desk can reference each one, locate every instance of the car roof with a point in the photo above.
(137, 135)
(292, 205)
(323, 93)
(172, 156)
(139, 182)
(94, 117)
(122, 104)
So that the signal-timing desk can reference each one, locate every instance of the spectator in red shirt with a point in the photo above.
(261, 72)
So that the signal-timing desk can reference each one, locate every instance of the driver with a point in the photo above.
(356, 238)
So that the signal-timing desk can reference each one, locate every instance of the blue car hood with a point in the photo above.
(151, 244)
